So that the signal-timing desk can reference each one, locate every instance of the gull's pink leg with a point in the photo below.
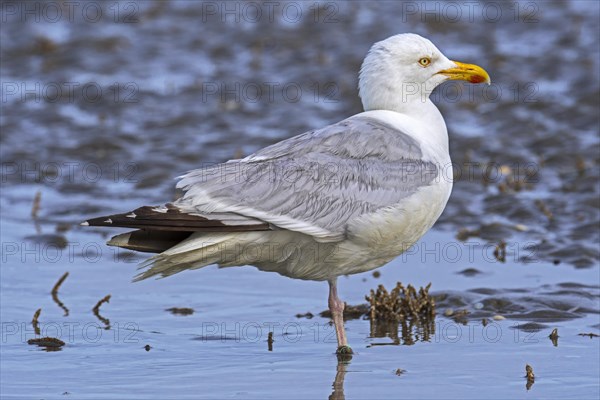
(336, 306)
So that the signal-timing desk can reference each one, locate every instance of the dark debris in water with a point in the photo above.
(530, 327)
(500, 251)
(553, 336)
(458, 316)
(180, 310)
(49, 343)
(35, 207)
(492, 232)
(512, 184)
(470, 272)
(354, 312)
(270, 341)
(350, 312)
(590, 335)
(530, 376)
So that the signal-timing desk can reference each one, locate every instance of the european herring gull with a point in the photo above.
(339, 200)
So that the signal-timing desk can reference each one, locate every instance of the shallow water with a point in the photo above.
(527, 168)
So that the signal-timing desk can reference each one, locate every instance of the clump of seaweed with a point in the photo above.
(401, 303)
(413, 310)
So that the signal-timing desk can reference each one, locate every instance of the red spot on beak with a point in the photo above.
(477, 79)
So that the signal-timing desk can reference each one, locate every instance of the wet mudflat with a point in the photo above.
(514, 256)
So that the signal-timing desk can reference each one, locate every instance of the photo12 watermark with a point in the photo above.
(527, 12)
(91, 12)
(283, 172)
(289, 12)
(242, 253)
(69, 92)
(49, 173)
(71, 332)
(270, 92)
(443, 331)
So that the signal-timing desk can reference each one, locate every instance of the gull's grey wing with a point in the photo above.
(317, 182)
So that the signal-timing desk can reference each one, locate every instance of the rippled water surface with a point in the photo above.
(103, 104)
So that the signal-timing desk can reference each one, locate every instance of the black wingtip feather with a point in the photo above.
(148, 218)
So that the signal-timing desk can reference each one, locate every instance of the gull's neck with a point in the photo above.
(426, 114)
(432, 117)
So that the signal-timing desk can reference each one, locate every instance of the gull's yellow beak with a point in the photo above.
(467, 72)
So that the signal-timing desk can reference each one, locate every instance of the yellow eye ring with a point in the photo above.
(425, 61)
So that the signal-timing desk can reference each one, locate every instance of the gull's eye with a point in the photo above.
(425, 61)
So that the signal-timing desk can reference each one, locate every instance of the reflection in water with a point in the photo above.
(270, 341)
(34, 321)
(34, 212)
(60, 304)
(405, 332)
(55, 293)
(338, 383)
(529, 384)
(530, 376)
(554, 337)
(96, 311)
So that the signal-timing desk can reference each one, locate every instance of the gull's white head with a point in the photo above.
(402, 70)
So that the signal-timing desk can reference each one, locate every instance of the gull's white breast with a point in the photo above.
(377, 238)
